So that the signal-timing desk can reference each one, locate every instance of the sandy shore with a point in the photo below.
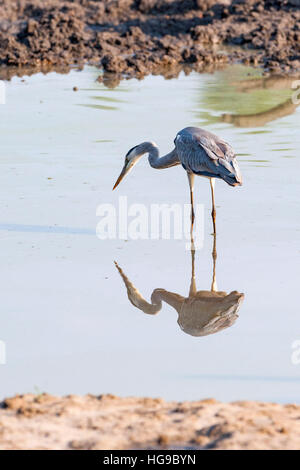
(108, 422)
(133, 38)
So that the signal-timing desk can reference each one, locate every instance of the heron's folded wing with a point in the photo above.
(204, 155)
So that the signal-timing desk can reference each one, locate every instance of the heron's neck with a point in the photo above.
(155, 161)
(171, 298)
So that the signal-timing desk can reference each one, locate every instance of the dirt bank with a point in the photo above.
(138, 37)
(109, 422)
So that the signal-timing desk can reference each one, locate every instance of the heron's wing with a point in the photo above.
(209, 312)
(204, 153)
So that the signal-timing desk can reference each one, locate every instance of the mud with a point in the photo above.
(133, 38)
(108, 422)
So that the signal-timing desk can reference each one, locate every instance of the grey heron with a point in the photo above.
(201, 313)
(199, 152)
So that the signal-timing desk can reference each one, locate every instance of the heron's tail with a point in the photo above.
(234, 176)
(233, 180)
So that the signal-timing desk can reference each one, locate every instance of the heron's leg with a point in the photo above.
(191, 178)
(214, 287)
(213, 212)
(193, 288)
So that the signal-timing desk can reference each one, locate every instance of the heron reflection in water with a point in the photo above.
(202, 313)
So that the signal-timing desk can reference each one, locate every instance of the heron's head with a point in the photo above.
(131, 158)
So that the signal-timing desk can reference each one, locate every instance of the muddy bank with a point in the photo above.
(138, 37)
(108, 422)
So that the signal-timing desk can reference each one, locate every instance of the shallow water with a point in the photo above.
(66, 320)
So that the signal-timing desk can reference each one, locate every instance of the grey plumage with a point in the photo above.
(199, 152)
(205, 154)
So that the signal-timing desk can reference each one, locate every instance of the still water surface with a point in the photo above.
(67, 322)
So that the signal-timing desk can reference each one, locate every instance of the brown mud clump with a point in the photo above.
(133, 38)
(106, 422)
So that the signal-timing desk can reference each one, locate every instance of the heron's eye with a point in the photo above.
(129, 151)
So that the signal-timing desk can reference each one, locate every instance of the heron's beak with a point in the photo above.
(125, 170)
